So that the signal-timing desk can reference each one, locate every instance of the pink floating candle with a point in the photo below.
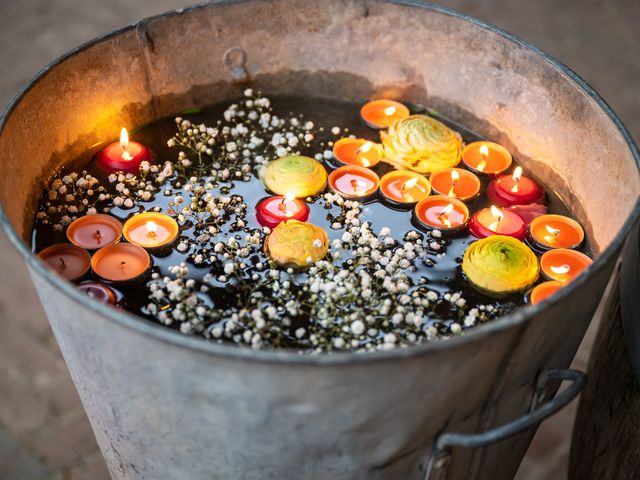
(99, 291)
(380, 114)
(68, 260)
(543, 291)
(124, 155)
(486, 157)
(94, 231)
(357, 151)
(352, 181)
(442, 212)
(514, 189)
(455, 182)
(150, 230)
(563, 264)
(272, 211)
(555, 231)
(120, 262)
(495, 221)
(404, 186)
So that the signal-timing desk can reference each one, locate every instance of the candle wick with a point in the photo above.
(123, 264)
(62, 264)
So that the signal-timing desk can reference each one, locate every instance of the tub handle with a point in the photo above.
(440, 457)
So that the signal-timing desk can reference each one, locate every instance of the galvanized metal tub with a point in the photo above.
(167, 406)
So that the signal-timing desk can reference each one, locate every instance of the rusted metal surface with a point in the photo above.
(164, 405)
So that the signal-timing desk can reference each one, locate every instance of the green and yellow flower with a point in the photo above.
(297, 244)
(297, 175)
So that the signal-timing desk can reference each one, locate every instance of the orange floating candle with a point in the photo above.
(486, 157)
(455, 182)
(352, 181)
(442, 212)
(555, 231)
(404, 186)
(120, 262)
(496, 221)
(94, 231)
(357, 151)
(382, 113)
(563, 264)
(544, 290)
(150, 230)
(68, 260)
(272, 211)
(124, 155)
(99, 291)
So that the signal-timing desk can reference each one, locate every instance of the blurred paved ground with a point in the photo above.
(44, 433)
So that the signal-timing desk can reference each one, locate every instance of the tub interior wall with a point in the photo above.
(341, 48)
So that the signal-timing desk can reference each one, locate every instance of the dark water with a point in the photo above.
(443, 276)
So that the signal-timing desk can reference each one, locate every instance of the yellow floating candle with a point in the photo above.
(297, 175)
(150, 230)
(297, 244)
(404, 186)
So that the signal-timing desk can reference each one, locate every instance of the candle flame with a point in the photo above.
(484, 151)
(390, 110)
(562, 269)
(455, 176)
(517, 173)
(288, 197)
(152, 227)
(124, 143)
(554, 233)
(366, 146)
(498, 215)
(444, 215)
(412, 182)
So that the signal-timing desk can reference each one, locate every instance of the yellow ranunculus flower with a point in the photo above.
(296, 244)
(297, 175)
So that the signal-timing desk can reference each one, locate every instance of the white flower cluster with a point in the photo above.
(131, 189)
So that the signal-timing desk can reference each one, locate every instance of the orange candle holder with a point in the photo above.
(120, 262)
(94, 231)
(150, 230)
(456, 182)
(563, 264)
(354, 182)
(404, 186)
(555, 231)
(442, 212)
(66, 259)
(357, 151)
(544, 290)
(486, 157)
(382, 113)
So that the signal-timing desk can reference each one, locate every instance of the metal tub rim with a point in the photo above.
(178, 339)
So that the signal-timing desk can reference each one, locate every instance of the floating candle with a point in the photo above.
(455, 182)
(563, 264)
(555, 231)
(499, 265)
(150, 229)
(496, 221)
(404, 186)
(357, 151)
(124, 155)
(120, 262)
(297, 244)
(99, 291)
(295, 174)
(486, 157)
(442, 212)
(514, 189)
(382, 113)
(68, 260)
(94, 231)
(272, 211)
(352, 181)
(544, 290)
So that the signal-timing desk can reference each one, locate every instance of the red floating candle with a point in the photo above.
(380, 114)
(357, 151)
(352, 181)
(404, 186)
(124, 155)
(543, 291)
(272, 211)
(94, 231)
(563, 265)
(120, 262)
(515, 189)
(555, 231)
(495, 221)
(100, 292)
(442, 212)
(486, 157)
(455, 182)
(68, 260)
